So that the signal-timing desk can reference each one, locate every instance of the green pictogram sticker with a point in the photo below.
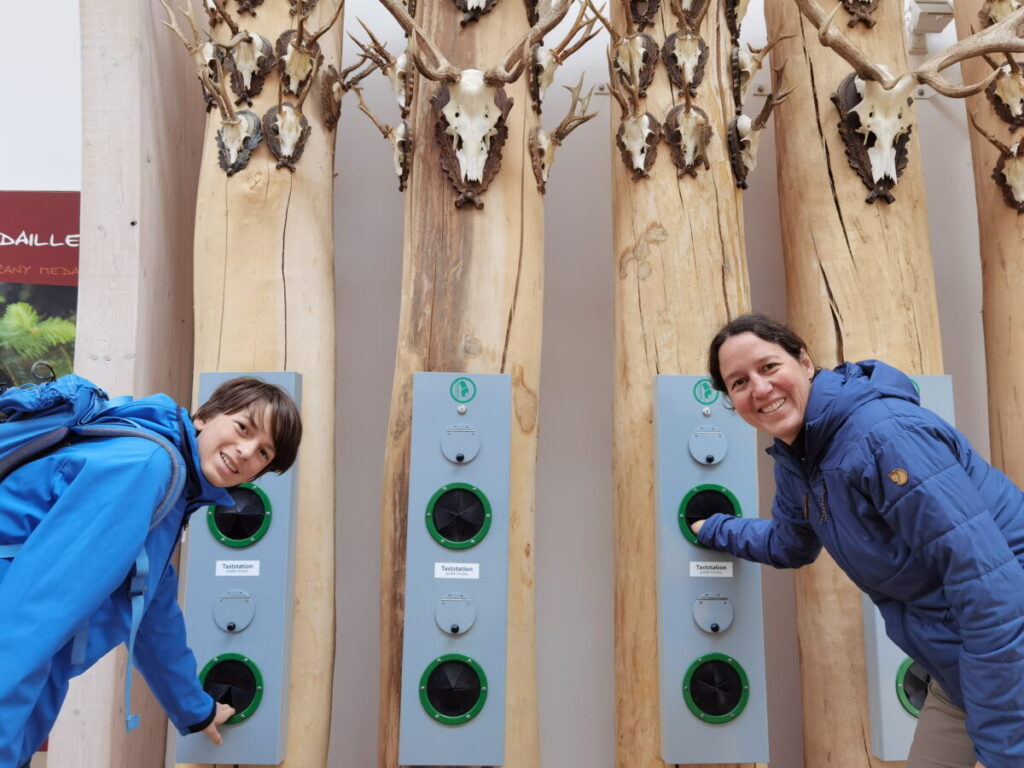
(704, 393)
(463, 390)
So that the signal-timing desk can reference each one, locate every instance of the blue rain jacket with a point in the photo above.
(922, 524)
(83, 513)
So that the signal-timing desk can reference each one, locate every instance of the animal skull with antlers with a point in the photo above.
(395, 69)
(688, 132)
(545, 61)
(635, 54)
(745, 134)
(472, 10)
(400, 138)
(994, 11)
(639, 132)
(298, 53)
(544, 144)
(1009, 170)
(248, 57)
(286, 128)
(873, 105)
(470, 105)
(745, 65)
(1006, 92)
(685, 52)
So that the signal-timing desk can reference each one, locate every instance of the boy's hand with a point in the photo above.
(697, 525)
(222, 714)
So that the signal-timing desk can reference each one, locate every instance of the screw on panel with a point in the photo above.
(706, 411)
(461, 409)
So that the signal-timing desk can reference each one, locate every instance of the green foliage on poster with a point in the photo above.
(37, 326)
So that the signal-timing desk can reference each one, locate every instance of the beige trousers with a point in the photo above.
(941, 739)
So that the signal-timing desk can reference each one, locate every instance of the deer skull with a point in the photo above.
(688, 132)
(635, 57)
(638, 137)
(1006, 93)
(685, 54)
(287, 131)
(236, 139)
(249, 62)
(883, 115)
(472, 122)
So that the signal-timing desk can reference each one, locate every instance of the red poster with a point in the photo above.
(39, 238)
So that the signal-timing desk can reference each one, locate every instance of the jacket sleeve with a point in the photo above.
(784, 541)
(80, 552)
(167, 663)
(924, 494)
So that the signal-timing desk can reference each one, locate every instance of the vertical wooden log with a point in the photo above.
(681, 274)
(264, 288)
(472, 295)
(859, 285)
(141, 142)
(1001, 235)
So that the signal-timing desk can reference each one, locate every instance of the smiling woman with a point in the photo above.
(887, 487)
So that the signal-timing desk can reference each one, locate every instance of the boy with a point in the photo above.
(81, 515)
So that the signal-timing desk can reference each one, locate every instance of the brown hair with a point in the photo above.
(257, 397)
(761, 326)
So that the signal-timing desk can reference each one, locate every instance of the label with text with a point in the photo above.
(238, 568)
(456, 570)
(710, 570)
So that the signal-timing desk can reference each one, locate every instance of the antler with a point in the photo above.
(194, 48)
(772, 101)
(323, 30)
(217, 91)
(375, 50)
(685, 17)
(1003, 149)
(574, 119)
(439, 68)
(350, 82)
(1000, 38)
(1004, 37)
(225, 16)
(385, 130)
(617, 37)
(561, 51)
(512, 67)
(761, 53)
(630, 107)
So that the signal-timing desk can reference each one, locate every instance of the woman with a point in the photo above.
(914, 516)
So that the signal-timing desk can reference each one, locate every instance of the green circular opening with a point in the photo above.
(912, 686)
(703, 501)
(233, 679)
(245, 523)
(453, 689)
(458, 515)
(716, 688)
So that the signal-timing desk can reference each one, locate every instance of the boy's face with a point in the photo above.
(232, 448)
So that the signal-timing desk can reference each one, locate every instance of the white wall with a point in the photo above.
(574, 579)
(42, 82)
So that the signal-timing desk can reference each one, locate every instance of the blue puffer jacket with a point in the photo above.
(922, 524)
(83, 513)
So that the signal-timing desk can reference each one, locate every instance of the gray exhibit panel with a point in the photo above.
(238, 583)
(894, 684)
(714, 706)
(456, 586)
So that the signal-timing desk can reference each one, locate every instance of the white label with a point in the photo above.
(237, 568)
(711, 570)
(456, 570)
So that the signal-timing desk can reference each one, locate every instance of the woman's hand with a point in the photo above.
(222, 714)
(697, 525)
(978, 765)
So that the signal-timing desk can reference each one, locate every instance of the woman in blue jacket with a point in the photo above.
(77, 518)
(914, 516)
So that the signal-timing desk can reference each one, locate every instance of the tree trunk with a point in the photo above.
(472, 293)
(1001, 234)
(134, 324)
(681, 268)
(264, 288)
(860, 285)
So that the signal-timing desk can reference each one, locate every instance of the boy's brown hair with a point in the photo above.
(257, 398)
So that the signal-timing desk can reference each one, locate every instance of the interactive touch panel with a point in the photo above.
(896, 684)
(238, 607)
(710, 633)
(456, 587)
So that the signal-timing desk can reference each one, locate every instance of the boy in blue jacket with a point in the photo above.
(75, 520)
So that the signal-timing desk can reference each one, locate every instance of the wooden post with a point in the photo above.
(859, 285)
(264, 301)
(472, 294)
(141, 143)
(681, 274)
(1001, 234)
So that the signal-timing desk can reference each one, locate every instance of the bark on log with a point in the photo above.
(859, 285)
(1001, 235)
(681, 274)
(134, 321)
(264, 301)
(472, 293)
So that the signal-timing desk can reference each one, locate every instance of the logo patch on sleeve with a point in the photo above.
(899, 476)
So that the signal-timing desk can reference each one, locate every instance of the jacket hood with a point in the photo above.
(160, 414)
(837, 393)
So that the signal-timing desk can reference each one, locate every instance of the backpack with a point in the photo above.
(37, 418)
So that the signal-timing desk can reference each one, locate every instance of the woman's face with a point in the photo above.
(767, 385)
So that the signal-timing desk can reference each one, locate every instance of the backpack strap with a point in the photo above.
(137, 595)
